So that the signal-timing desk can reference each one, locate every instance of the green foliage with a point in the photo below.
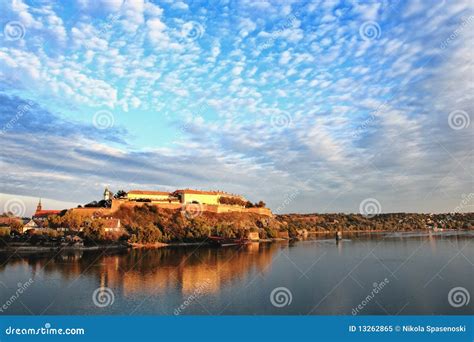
(120, 194)
(16, 225)
(260, 204)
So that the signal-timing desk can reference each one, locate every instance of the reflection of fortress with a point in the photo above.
(212, 267)
(158, 270)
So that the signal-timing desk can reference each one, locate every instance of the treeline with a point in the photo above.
(389, 222)
(240, 202)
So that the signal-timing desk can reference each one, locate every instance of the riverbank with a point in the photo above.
(28, 248)
(25, 248)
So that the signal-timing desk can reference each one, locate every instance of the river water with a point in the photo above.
(376, 274)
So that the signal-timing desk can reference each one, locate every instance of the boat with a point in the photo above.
(222, 241)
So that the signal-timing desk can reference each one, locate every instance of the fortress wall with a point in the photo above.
(130, 204)
(261, 211)
(175, 206)
(83, 212)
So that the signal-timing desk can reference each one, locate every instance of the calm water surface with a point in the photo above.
(320, 276)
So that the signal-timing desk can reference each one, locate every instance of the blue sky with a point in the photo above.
(311, 106)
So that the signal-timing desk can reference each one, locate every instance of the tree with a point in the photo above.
(120, 194)
(231, 201)
(147, 234)
(95, 230)
(72, 220)
(91, 204)
(16, 225)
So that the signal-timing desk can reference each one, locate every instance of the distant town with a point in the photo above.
(140, 218)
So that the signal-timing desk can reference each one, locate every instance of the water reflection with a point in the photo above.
(324, 277)
(155, 271)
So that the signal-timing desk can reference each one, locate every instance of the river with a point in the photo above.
(368, 274)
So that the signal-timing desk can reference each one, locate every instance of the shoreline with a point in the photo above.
(25, 249)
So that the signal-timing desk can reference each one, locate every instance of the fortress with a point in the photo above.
(205, 201)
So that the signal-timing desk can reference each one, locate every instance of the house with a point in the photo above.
(112, 225)
(30, 224)
(41, 214)
(11, 222)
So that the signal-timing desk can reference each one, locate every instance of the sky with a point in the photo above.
(318, 106)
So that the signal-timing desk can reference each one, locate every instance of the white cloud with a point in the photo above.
(285, 57)
(179, 5)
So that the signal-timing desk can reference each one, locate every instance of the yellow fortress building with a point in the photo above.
(187, 196)
(184, 196)
(154, 196)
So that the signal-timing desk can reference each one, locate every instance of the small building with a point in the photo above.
(112, 225)
(253, 236)
(31, 224)
(12, 223)
(41, 215)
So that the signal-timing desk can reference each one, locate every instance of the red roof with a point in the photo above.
(146, 192)
(196, 192)
(200, 192)
(111, 223)
(46, 213)
(8, 220)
